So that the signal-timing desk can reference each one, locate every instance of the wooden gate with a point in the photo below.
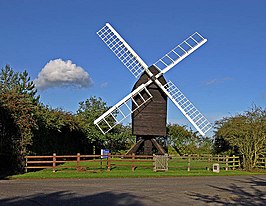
(160, 163)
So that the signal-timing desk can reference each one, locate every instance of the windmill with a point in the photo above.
(147, 102)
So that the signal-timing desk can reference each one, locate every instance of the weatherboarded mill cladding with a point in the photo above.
(150, 118)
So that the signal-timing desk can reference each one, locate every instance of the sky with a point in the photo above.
(56, 42)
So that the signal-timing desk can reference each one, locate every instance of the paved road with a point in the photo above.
(243, 190)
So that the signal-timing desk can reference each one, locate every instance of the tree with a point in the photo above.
(117, 140)
(19, 101)
(186, 141)
(58, 132)
(223, 147)
(247, 132)
(8, 135)
(205, 145)
(88, 111)
(182, 140)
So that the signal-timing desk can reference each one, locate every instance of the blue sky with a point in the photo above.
(224, 77)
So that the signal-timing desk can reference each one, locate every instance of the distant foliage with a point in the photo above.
(186, 141)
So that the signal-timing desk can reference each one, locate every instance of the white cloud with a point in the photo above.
(210, 82)
(58, 73)
(104, 85)
(218, 81)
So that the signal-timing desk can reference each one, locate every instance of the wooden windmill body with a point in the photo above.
(147, 102)
(149, 121)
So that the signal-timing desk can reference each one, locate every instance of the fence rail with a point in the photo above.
(110, 161)
(207, 161)
(261, 163)
(87, 162)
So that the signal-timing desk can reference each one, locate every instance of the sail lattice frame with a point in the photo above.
(197, 119)
(123, 109)
(122, 50)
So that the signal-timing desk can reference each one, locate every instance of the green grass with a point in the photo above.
(120, 173)
(123, 170)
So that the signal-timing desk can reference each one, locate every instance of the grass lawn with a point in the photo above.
(121, 169)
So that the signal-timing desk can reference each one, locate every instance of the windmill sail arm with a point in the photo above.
(197, 119)
(180, 52)
(122, 50)
(120, 111)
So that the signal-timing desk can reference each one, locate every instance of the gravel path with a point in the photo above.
(233, 190)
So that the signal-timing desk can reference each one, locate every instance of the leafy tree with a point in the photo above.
(58, 132)
(88, 111)
(117, 140)
(186, 141)
(247, 132)
(18, 98)
(120, 139)
(205, 145)
(8, 136)
(223, 147)
(182, 140)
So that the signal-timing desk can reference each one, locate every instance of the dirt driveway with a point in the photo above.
(240, 190)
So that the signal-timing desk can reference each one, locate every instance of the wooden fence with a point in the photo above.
(109, 162)
(225, 162)
(87, 162)
(261, 163)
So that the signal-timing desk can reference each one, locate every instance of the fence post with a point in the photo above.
(188, 163)
(78, 161)
(154, 162)
(109, 162)
(133, 159)
(234, 159)
(26, 164)
(226, 163)
(54, 162)
(167, 163)
(209, 162)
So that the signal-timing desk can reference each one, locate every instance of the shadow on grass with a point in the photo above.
(68, 198)
(247, 192)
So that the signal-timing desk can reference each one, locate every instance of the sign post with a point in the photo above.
(104, 155)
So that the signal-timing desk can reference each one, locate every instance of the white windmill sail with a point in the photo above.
(122, 50)
(180, 52)
(116, 114)
(197, 119)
